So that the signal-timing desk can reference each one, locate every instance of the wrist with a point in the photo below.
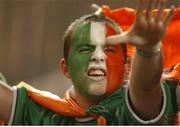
(149, 52)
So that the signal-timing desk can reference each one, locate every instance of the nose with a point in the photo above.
(97, 59)
(98, 55)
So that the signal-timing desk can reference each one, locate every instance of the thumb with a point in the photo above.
(120, 38)
(125, 38)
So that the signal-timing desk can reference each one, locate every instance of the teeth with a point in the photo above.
(97, 78)
(96, 73)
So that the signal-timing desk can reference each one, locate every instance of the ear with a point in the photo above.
(64, 68)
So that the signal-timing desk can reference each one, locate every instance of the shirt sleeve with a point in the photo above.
(167, 113)
(27, 112)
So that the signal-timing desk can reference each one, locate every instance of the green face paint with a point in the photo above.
(79, 57)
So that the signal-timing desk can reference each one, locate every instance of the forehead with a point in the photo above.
(93, 32)
(97, 33)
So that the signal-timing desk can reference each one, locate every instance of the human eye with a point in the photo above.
(110, 49)
(85, 49)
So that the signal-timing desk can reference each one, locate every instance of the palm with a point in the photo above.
(144, 33)
(149, 28)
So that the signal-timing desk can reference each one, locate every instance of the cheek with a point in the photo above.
(77, 68)
(78, 65)
(115, 72)
(80, 60)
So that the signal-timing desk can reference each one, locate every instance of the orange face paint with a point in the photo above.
(115, 64)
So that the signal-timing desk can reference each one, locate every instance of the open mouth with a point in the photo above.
(96, 74)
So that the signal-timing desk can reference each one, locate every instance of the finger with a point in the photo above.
(149, 9)
(169, 16)
(137, 41)
(139, 9)
(95, 7)
(160, 10)
(156, 3)
(115, 39)
(124, 39)
(155, 8)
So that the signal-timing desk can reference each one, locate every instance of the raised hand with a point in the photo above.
(149, 27)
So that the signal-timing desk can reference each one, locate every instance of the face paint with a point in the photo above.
(115, 64)
(95, 68)
(79, 57)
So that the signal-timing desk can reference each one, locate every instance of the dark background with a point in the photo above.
(31, 38)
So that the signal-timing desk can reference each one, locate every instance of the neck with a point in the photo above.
(79, 99)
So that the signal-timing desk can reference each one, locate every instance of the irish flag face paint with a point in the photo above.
(96, 68)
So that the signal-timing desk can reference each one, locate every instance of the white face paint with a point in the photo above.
(98, 30)
(98, 63)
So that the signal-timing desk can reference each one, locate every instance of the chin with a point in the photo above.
(97, 88)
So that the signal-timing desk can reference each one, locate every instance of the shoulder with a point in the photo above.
(28, 111)
(172, 87)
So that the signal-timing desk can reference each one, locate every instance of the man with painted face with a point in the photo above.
(95, 62)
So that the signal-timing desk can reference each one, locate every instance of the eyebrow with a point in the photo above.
(86, 44)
